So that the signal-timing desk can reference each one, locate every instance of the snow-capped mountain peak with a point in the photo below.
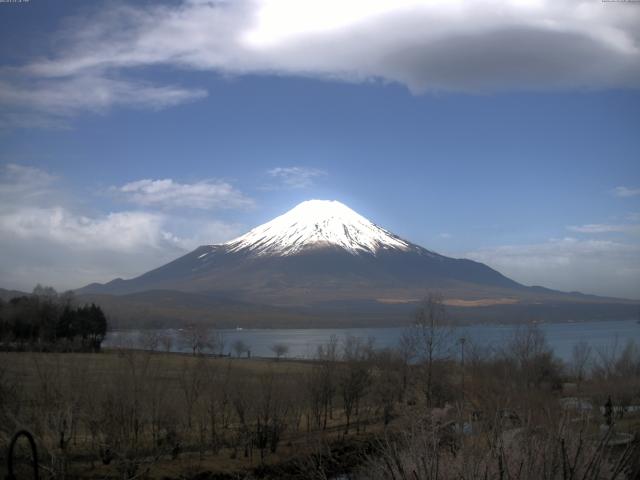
(313, 224)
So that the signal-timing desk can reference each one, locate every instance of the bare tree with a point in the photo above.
(200, 339)
(239, 347)
(215, 343)
(407, 353)
(604, 364)
(314, 397)
(354, 377)
(216, 392)
(580, 360)
(10, 393)
(533, 356)
(433, 337)
(192, 337)
(527, 343)
(166, 341)
(192, 380)
(321, 385)
(387, 382)
(618, 371)
(280, 350)
(628, 362)
(272, 405)
(242, 394)
(123, 414)
(149, 340)
(552, 451)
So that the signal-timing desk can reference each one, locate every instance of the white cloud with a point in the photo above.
(626, 192)
(592, 266)
(604, 228)
(296, 177)
(427, 45)
(45, 239)
(123, 232)
(93, 93)
(19, 182)
(167, 193)
(57, 246)
(206, 232)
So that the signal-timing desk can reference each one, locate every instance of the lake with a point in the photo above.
(303, 343)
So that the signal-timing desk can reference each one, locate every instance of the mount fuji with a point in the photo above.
(319, 255)
(319, 250)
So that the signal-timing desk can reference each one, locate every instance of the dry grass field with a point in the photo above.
(125, 413)
(404, 414)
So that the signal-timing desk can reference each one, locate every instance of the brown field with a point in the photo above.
(373, 414)
(486, 302)
(148, 397)
(455, 302)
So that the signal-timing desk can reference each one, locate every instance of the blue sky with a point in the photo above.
(132, 133)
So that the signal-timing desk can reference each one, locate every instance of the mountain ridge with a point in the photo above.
(322, 253)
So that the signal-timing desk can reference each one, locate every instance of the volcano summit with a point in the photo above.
(317, 224)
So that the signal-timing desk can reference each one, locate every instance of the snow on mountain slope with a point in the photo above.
(317, 223)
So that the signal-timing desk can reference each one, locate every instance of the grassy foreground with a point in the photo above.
(120, 414)
(515, 413)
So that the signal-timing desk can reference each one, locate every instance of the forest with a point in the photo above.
(48, 321)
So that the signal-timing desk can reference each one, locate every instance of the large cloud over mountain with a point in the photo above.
(426, 45)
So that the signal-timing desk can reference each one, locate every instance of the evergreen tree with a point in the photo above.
(44, 317)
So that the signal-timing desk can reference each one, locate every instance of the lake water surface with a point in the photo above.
(303, 343)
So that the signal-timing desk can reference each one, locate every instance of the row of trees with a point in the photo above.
(200, 339)
(46, 320)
